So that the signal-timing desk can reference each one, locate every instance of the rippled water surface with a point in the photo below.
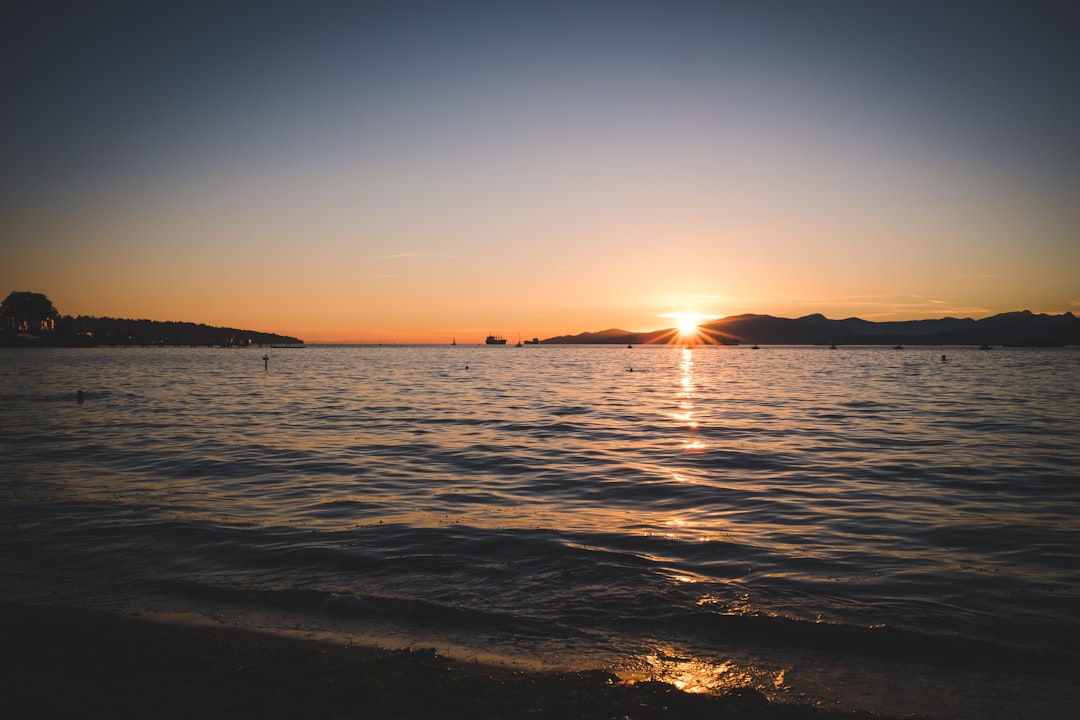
(835, 525)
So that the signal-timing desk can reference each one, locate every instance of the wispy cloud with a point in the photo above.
(696, 296)
(875, 300)
(411, 256)
(875, 306)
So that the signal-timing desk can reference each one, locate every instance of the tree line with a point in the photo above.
(29, 319)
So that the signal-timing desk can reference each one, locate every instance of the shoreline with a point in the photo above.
(74, 662)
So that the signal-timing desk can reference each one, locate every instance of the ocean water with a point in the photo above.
(861, 528)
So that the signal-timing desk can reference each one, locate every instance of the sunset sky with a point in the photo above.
(421, 171)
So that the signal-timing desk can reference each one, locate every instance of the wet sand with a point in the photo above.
(64, 662)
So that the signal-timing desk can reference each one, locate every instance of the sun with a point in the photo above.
(686, 324)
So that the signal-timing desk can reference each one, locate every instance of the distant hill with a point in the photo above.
(1012, 328)
(603, 337)
(83, 330)
(29, 319)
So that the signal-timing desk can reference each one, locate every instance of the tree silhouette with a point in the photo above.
(28, 319)
(28, 313)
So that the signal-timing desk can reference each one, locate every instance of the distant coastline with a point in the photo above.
(29, 319)
(1023, 328)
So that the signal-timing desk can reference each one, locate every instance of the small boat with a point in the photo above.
(534, 341)
(519, 342)
(986, 347)
(754, 347)
(454, 341)
(494, 340)
(898, 347)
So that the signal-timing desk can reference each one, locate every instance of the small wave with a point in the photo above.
(877, 642)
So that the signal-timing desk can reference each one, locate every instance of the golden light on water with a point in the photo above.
(685, 416)
(704, 675)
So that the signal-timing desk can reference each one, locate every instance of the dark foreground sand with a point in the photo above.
(62, 662)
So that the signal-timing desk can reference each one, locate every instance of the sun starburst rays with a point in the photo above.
(689, 330)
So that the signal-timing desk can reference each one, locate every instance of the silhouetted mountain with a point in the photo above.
(1012, 328)
(603, 337)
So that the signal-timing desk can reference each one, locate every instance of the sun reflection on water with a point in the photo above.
(685, 395)
(702, 675)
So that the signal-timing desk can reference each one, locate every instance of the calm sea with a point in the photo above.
(861, 527)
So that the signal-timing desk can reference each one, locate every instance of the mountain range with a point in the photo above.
(1021, 328)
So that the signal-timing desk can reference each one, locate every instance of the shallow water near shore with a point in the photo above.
(860, 527)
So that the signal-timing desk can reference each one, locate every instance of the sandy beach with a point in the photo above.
(65, 662)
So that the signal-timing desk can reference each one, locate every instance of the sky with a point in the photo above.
(428, 171)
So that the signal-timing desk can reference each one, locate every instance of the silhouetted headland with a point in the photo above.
(1023, 328)
(29, 319)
